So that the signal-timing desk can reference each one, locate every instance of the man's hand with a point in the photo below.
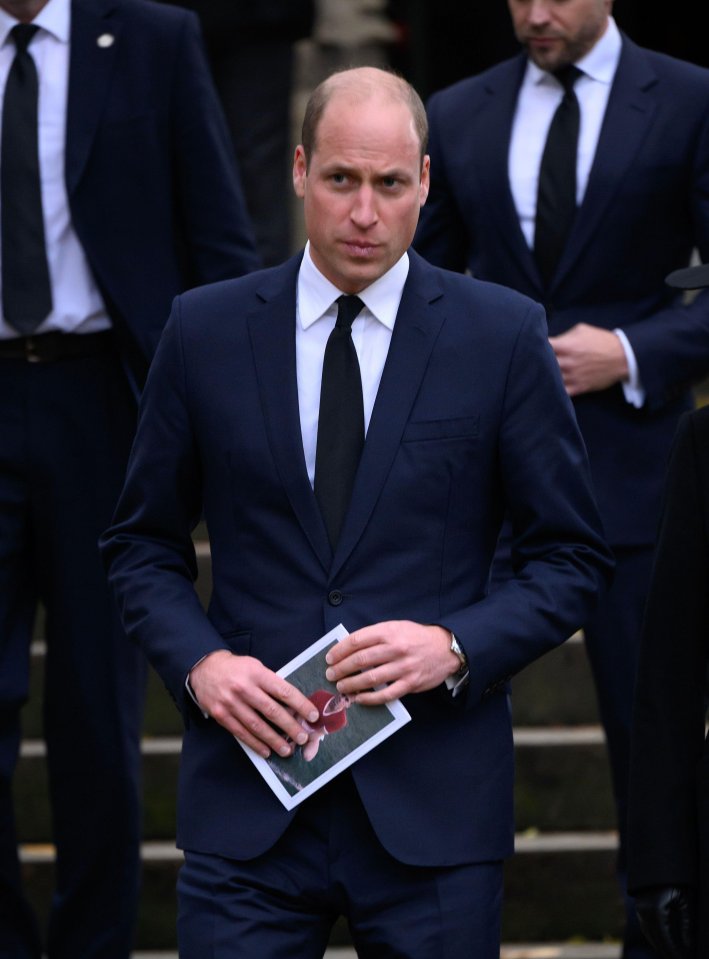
(667, 920)
(590, 358)
(403, 657)
(248, 700)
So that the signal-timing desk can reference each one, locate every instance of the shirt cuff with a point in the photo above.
(456, 684)
(191, 692)
(632, 387)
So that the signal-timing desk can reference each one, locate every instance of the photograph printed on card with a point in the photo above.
(343, 732)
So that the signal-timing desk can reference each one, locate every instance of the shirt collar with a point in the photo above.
(55, 18)
(316, 294)
(600, 63)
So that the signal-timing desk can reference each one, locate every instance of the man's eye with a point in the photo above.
(338, 178)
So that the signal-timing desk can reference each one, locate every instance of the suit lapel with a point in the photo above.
(95, 38)
(628, 117)
(272, 332)
(496, 113)
(415, 332)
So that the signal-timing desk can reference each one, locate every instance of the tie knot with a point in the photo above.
(22, 34)
(567, 76)
(348, 308)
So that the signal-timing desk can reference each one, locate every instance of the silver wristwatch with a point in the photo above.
(456, 648)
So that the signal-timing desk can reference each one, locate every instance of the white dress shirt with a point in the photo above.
(316, 312)
(539, 96)
(77, 304)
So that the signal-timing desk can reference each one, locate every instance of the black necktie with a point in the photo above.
(26, 289)
(556, 197)
(340, 421)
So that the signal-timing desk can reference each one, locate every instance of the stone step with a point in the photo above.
(549, 950)
(556, 689)
(562, 783)
(562, 779)
(559, 886)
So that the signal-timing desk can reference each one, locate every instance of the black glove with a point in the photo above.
(666, 916)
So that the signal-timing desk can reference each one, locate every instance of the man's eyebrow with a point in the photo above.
(334, 166)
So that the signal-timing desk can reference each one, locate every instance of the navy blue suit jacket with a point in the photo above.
(646, 206)
(149, 167)
(470, 419)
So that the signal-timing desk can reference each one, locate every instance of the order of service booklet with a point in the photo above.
(342, 734)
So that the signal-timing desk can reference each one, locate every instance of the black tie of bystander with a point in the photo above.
(26, 287)
(556, 195)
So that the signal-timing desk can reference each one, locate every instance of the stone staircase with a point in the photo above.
(561, 897)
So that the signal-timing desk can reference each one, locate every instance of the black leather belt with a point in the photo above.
(50, 347)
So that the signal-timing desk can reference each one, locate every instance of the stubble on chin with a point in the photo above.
(24, 10)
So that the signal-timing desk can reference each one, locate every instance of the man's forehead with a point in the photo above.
(350, 99)
(366, 122)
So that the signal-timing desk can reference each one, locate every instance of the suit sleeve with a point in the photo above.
(671, 345)
(442, 237)
(669, 712)
(214, 227)
(148, 551)
(559, 558)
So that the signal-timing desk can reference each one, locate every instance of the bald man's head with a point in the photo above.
(356, 85)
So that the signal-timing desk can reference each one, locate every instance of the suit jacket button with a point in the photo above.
(334, 597)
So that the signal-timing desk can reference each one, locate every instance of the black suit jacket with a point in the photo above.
(150, 174)
(669, 802)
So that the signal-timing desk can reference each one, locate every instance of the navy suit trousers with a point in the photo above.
(65, 431)
(330, 863)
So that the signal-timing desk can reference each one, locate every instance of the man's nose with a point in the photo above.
(364, 211)
(538, 12)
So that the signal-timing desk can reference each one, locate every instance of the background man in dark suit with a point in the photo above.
(465, 416)
(668, 816)
(125, 161)
(627, 346)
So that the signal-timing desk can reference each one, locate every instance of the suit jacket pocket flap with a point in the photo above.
(460, 427)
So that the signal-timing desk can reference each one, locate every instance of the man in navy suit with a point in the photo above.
(138, 199)
(628, 347)
(466, 418)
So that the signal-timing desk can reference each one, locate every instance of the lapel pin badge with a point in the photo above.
(105, 40)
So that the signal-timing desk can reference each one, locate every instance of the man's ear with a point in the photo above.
(300, 172)
(425, 179)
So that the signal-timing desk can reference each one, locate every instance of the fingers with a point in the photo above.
(251, 729)
(404, 657)
(383, 694)
(364, 659)
(260, 719)
(252, 702)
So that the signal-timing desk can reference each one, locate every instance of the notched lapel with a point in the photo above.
(417, 326)
(272, 332)
(629, 116)
(495, 115)
(95, 39)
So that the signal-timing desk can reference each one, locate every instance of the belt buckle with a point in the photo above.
(30, 350)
